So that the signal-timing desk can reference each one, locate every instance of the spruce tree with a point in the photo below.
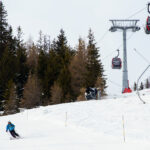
(64, 80)
(64, 55)
(147, 84)
(51, 73)
(21, 64)
(7, 53)
(7, 71)
(95, 69)
(61, 45)
(93, 63)
(11, 102)
(3, 29)
(135, 86)
(141, 86)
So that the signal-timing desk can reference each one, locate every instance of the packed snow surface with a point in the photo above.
(86, 125)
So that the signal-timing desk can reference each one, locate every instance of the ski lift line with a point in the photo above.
(137, 12)
(141, 56)
(109, 55)
(138, 93)
(104, 35)
(117, 48)
(114, 83)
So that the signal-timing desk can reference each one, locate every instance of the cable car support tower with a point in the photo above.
(124, 26)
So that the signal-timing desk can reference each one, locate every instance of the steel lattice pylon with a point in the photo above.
(124, 25)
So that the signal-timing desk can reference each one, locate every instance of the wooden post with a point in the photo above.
(66, 120)
(123, 128)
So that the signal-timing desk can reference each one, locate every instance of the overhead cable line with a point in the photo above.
(138, 93)
(142, 56)
(137, 12)
(104, 35)
(118, 47)
(114, 83)
(108, 55)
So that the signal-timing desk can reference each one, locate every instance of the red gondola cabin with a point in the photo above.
(148, 25)
(116, 63)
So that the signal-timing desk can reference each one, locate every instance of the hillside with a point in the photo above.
(90, 125)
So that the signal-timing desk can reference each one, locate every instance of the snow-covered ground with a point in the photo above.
(90, 125)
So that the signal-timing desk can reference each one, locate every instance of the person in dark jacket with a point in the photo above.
(90, 93)
(11, 128)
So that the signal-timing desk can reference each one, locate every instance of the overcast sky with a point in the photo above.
(76, 17)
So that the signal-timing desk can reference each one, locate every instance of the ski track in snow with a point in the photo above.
(90, 125)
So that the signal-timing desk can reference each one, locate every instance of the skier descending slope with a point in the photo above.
(11, 128)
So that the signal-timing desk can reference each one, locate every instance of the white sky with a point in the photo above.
(76, 17)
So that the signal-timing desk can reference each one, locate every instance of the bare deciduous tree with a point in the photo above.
(56, 94)
(81, 97)
(78, 68)
(32, 93)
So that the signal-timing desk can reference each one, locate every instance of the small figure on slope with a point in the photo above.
(11, 128)
(90, 93)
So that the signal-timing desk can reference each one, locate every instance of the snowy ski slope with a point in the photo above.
(90, 125)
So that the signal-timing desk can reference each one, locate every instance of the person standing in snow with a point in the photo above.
(90, 93)
(11, 128)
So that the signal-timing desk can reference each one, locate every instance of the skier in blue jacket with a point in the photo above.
(11, 128)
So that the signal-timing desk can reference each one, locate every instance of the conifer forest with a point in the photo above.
(47, 71)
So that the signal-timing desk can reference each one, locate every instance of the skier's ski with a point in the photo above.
(17, 138)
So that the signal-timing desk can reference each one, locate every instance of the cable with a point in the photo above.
(104, 35)
(137, 12)
(114, 83)
(108, 55)
(142, 56)
(117, 48)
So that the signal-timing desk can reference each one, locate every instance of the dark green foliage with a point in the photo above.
(94, 66)
(61, 45)
(52, 72)
(11, 102)
(7, 53)
(4, 32)
(21, 65)
(52, 66)
(42, 64)
(93, 63)
(141, 86)
(64, 80)
(147, 84)
(135, 86)
(64, 55)
(8, 69)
